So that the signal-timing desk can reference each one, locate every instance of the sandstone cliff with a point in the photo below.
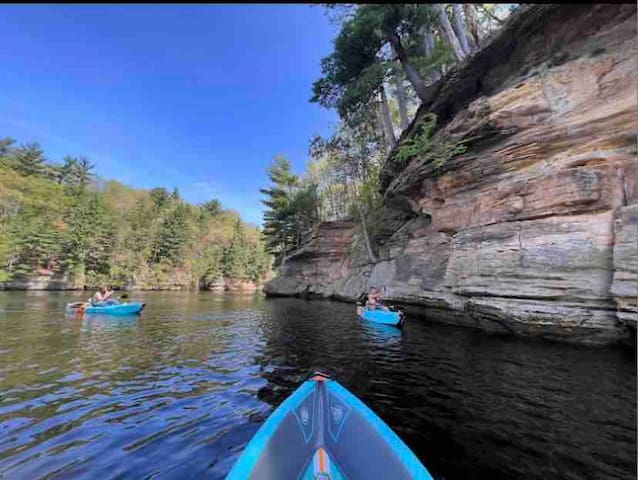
(533, 230)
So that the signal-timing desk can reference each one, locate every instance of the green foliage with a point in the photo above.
(341, 181)
(293, 209)
(37, 244)
(352, 75)
(75, 172)
(362, 90)
(424, 144)
(50, 221)
(234, 259)
(441, 54)
(29, 159)
(212, 207)
(160, 197)
(68, 171)
(342, 164)
(88, 236)
(6, 148)
(172, 235)
(84, 171)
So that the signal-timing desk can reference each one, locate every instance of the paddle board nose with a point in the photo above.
(323, 431)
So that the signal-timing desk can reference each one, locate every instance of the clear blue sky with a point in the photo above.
(198, 97)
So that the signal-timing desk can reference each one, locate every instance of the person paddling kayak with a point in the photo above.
(101, 298)
(374, 300)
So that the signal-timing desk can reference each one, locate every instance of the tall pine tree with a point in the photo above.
(276, 218)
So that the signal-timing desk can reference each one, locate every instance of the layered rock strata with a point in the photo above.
(533, 230)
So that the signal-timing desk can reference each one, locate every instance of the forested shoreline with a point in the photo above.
(60, 221)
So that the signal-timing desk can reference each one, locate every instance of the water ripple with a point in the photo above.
(180, 390)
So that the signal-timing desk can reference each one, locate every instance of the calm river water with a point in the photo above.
(180, 390)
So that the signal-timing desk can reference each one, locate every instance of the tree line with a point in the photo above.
(61, 219)
(384, 61)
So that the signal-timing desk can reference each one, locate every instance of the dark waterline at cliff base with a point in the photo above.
(180, 390)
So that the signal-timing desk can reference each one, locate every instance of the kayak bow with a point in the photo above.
(322, 431)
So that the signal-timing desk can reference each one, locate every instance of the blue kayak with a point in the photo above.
(117, 309)
(381, 316)
(322, 431)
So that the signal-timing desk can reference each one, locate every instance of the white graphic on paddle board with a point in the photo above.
(337, 413)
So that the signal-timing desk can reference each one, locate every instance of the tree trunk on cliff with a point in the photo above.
(402, 101)
(428, 48)
(448, 32)
(386, 121)
(459, 28)
(472, 23)
(428, 43)
(371, 256)
(410, 72)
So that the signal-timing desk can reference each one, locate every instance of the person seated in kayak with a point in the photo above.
(374, 300)
(102, 298)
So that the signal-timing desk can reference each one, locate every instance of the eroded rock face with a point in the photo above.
(625, 282)
(322, 267)
(533, 230)
(229, 284)
(41, 282)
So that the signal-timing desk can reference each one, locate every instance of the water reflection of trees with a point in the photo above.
(180, 331)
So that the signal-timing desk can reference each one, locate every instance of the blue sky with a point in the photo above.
(198, 97)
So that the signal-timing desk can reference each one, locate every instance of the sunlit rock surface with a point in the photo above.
(533, 230)
(322, 267)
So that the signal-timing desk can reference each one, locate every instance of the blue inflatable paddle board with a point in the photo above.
(322, 431)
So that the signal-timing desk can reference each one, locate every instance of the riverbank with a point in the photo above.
(531, 231)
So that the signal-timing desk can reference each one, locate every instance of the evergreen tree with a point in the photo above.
(293, 209)
(276, 218)
(30, 159)
(88, 240)
(84, 171)
(235, 256)
(367, 44)
(160, 197)
(213, 207)
(37, 244)
(303, 212)
(69, 171)
(172, 236)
